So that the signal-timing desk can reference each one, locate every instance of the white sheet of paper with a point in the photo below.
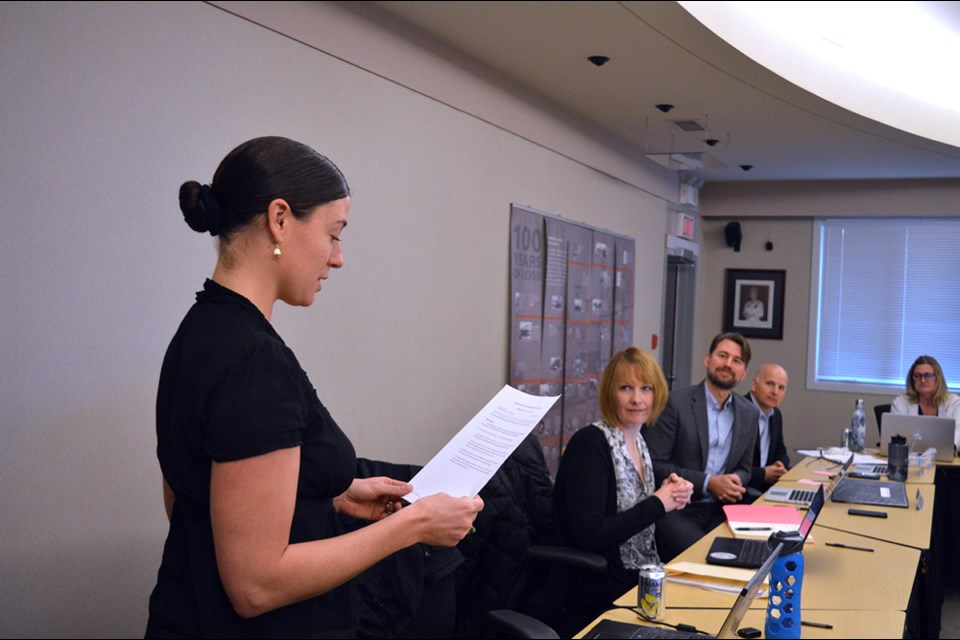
(840, 454)
(471, 458)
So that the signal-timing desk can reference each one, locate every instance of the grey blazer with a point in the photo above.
(679, 440)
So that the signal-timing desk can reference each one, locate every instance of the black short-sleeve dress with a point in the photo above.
(231, 389)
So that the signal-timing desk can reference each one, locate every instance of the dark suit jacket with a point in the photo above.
(679, 440)
(778, 450)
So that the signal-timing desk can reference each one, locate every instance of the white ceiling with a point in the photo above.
(660, 54)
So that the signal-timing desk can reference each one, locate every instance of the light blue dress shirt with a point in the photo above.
(764, 434)
(720, 429)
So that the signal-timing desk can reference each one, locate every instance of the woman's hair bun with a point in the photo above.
(200, 207)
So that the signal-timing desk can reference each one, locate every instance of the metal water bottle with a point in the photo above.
(858, 427)
(897, 458)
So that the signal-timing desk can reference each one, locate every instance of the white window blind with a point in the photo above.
(884, 291)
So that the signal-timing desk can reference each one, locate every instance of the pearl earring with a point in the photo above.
(276, 251)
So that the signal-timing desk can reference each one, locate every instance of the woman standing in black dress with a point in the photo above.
(255, 470)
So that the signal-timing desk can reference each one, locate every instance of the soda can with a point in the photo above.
(650, 600)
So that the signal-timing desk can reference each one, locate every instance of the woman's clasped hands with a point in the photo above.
(675, 492)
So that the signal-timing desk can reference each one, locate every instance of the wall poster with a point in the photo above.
(571, 309)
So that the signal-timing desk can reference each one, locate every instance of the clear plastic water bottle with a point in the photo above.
(858, 427)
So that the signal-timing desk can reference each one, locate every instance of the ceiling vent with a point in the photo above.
(689, 125)
(691, 161)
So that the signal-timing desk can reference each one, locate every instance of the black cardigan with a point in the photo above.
(585, 511)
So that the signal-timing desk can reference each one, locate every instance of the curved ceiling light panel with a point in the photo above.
(893, 62)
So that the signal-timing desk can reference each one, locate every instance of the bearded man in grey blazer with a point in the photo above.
(707, 435)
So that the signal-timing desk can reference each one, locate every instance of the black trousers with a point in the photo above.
(679, 529)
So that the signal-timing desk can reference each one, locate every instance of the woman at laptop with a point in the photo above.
(927, 394)
(605, 497)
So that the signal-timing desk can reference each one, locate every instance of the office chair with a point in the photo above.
(411, 593)
(513, 565)
(514, 624)
(542, 614)
(879, 410)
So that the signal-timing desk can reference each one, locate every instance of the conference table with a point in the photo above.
(846, 624)
(946, 518)
(921, 526)
(892, 591)
(812, 468)
(912, 526)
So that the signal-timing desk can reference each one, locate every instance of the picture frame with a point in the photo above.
(753, 302)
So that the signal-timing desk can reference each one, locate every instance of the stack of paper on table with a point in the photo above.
(759, 521)
(840, 455)
(709, 576)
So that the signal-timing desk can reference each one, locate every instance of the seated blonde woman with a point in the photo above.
(605, 497)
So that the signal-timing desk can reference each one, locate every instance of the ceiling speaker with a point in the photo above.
(733, 235)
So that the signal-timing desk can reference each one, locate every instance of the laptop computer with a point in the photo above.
(921, 432)
(750, 554)
(869, 470)
(614, 629)
(805, 496)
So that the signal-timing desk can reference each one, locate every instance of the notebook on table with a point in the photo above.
(880, 493)
(805, 496)
(614, 629)
(735, 552)
(921, 432)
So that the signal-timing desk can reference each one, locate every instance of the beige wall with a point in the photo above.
(106, 109)
(784, 212)
(930, 198)
(811, 418)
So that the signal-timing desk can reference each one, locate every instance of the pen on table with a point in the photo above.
(847, 546)
(819, 625)
(752, 529)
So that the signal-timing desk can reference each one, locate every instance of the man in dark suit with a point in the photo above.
(770, 459)
(707, 435)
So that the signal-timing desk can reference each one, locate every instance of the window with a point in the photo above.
(883, 291)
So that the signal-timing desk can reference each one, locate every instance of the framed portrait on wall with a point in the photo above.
(753, 302)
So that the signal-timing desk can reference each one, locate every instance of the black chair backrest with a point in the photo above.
(879, 410)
